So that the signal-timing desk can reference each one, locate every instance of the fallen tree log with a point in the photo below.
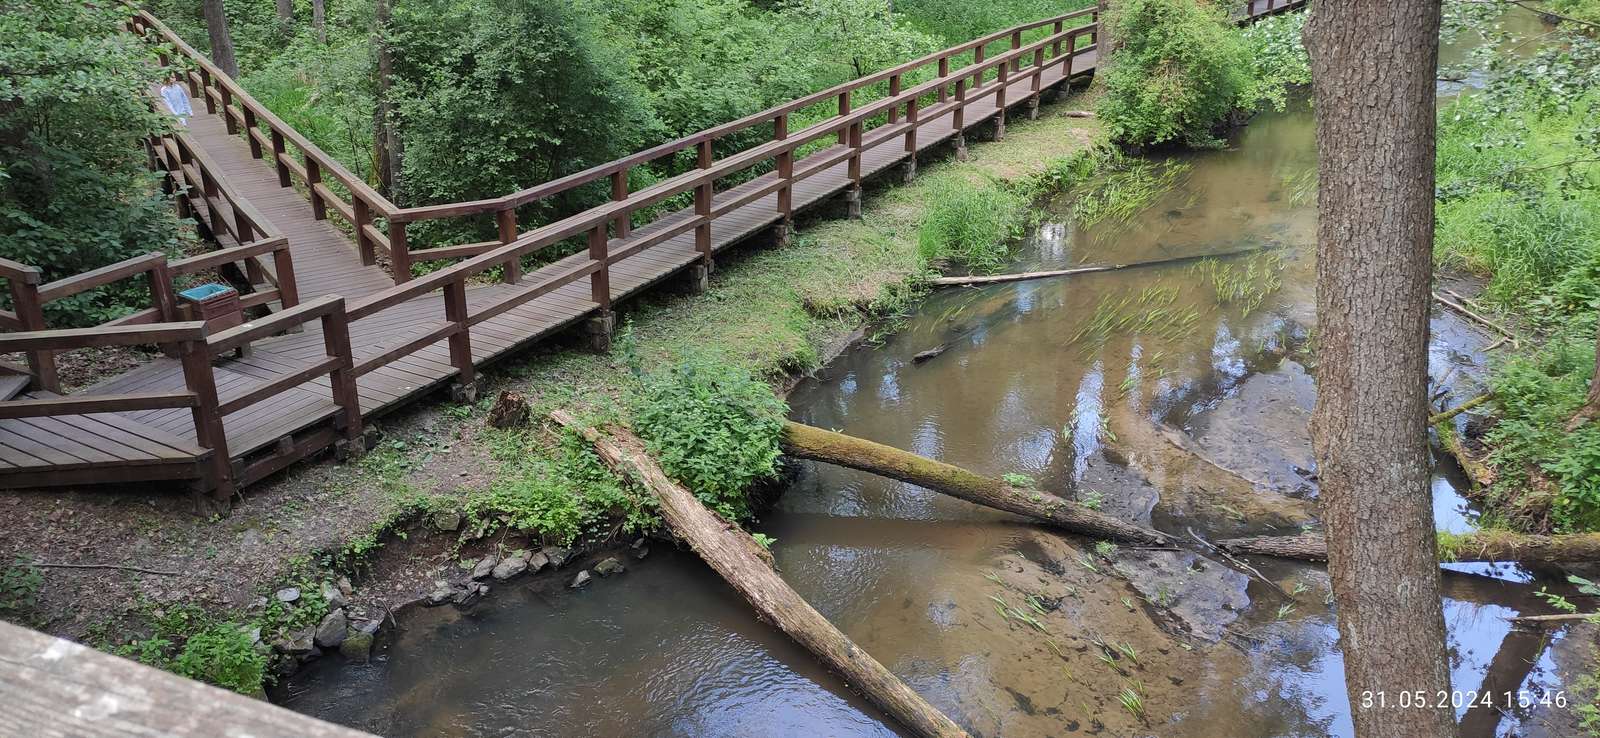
(808, 442)
(1021, 276)
(743, 563)
(1481, 546)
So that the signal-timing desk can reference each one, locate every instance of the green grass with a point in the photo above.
(973, 223)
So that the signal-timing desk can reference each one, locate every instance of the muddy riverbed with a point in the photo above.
(1185, 409)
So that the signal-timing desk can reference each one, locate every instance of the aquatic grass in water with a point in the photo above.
(1125, 188)
(1246, 283)
(1149, 312)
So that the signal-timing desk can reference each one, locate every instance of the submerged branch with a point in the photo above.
(1470, 547)
(1021, 276)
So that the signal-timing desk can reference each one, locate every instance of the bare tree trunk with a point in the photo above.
(808, 442)
(1373, 69)
(747, 566)
(388, 156)
(221, 39)
(286, 16)
(319, 19)
(1480, 546)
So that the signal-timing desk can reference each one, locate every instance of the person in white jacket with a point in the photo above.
(177, 99)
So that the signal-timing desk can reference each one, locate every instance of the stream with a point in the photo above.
(1195, 421)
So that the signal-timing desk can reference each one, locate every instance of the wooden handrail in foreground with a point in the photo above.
(54, 687)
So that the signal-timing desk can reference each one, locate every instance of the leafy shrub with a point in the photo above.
(1176, 70)
(224, 655)
(1278, 60)
(972, 223)
(19, 585)
(562, 492)
(713, 427)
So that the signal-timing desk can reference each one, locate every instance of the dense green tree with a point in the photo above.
(1175, 72)
(75, 193)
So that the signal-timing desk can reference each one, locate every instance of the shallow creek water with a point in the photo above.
(1201, 428)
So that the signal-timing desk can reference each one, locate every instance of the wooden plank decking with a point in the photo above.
(298, 420)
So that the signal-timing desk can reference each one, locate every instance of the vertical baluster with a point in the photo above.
(844, 109)
(600, 280)
(1055, 48)
(702, 203)
(622, 226)
(455, 311)
(250, 131)
(911, 139)
(853, 196)
(227, 109)
(205, 91)
(780, 132)
(30, 311)
(978, 55)
(208, 428)
(1016, 43)
(319, 207)
(363, 218)
(506, 224)
(894, 91)
(1003, 80)
(944, 71)
(278, 154)
(399, 252)
(336, 343)
(283, 264)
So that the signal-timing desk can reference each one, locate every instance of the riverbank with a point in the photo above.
(366, 539)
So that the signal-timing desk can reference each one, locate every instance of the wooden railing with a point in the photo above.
(951, 92)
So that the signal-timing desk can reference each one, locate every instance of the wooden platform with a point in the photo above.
(282, 422)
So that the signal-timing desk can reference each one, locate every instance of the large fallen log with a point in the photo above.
(808, 442)
(1021, 276)
(734, 555)
(1481, 546)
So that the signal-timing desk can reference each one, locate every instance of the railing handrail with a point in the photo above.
(66, 339)
(225, 187)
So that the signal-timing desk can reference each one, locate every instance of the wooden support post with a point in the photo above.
(250, 131)
(363, 218)
(205, 91)
(911, 140)
(1055, 48)
(336, 342)
(30, 311)
(278, 154)
(288, 289)
(702, 208)
(455, 311)
(208, 428)
(978, 55)
(959, 119)
(399, 252)
(622, 226)
(506, 224)
(844, 109)
(600, 326)
(1000, 103)
(1036, 83)
(1072, 53)
(944, 71)
(1016, 43)
(194, 83)
(319, 208)
(785, 227)
(853, 195)
(227, 109)
(162, 299)
(212, 192)
(894, 91)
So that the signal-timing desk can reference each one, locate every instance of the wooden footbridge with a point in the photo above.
(352, 330)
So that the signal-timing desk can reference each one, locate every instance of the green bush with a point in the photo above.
(1278, 60)
(713, 427)
(972, 223)
(1536, 395)
(562, 492)
(223, 654)
(1176, 71)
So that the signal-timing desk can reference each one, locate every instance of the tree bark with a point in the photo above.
(1373, 68)
(807, 442)
(286, 16)
(1481, 546)
(741, 561)
(388, 156)
(319, 19)
(221, 39)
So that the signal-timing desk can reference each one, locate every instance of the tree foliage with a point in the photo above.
(74, 190)
(1175, 72)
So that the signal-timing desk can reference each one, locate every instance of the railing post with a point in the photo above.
(455, 311)
(288, 289)
(399, 252)
(1055, 48)
(205, 91)
(278, 153)
(958, 119)
(250, 131)
(853, 195)
(208, 186)
(227, 108)
(162, 299)
(844, 109)
(1016, 43)
(506, 224)
(1072, 53)
(702, 204)
(978, 55)
(1036, 82)
(336, 342)
(1003, 79)
(911, 140)
(319, 208)
(363, 218)
(623, 225)
(208, 428)
(780, 132)
(1099, 18)
(944, 71)
(894, 90)
(25, 300)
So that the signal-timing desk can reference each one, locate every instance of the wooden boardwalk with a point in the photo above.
(404, 338)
